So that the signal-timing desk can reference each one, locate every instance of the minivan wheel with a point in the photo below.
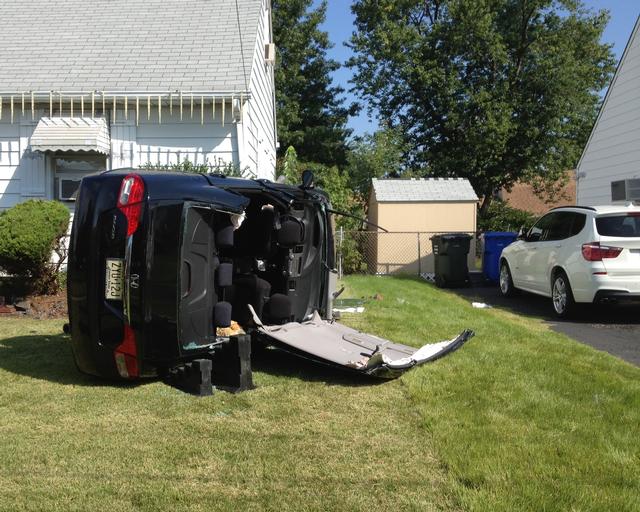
(562, 296)
(506, 282)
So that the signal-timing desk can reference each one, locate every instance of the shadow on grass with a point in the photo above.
(50, 358)
(47, 358)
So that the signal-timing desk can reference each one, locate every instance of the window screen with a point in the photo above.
(69, 188)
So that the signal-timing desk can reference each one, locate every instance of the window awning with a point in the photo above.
(71, 134)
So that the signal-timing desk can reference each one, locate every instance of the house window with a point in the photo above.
(70, 168)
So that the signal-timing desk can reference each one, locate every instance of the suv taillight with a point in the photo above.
(126, 354)
(593, 251)
(130, 201)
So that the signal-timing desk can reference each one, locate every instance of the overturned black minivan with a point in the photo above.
(159, 261)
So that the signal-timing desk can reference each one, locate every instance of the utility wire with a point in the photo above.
(244, 70)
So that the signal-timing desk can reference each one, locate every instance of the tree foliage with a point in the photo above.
(491, 90)
(310, 111)
(502, 217)
(375, 156)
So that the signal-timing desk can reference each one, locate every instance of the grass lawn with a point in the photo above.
(521, 418)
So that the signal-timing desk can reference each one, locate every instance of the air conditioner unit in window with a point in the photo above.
(625, 190)
(67, 188)
(270, 53)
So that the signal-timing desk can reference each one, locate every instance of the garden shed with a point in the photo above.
(413, 210)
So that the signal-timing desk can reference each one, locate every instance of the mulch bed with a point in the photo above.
(38, 306)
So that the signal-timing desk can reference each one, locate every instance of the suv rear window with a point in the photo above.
(626, 226)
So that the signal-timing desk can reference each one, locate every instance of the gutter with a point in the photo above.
(44, 95)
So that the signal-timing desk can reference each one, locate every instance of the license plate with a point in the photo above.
(114, 280)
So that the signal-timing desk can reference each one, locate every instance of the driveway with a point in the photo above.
(614, 328)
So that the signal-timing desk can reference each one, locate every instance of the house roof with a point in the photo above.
(422, 190)
(127, 45)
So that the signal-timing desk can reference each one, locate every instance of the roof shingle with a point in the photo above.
(426, 189)
(126, 45)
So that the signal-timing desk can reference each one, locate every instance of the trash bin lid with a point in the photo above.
(454, 236)
(499, 234)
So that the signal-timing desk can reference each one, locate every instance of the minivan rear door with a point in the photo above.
(196, 277)
(336, 344)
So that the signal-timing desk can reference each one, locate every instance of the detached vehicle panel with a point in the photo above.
(160, 264)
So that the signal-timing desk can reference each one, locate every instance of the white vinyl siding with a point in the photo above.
(613, 150)
(174, 141)
(260, 142)
(23, 174)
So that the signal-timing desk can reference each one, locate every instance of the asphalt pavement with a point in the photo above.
(613, 328)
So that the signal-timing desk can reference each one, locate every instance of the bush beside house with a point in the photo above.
(29, 233)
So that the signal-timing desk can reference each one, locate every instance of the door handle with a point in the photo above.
(559, 246)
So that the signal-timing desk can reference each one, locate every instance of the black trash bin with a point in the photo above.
(450, 259)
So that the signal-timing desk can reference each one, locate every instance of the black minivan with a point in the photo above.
(159, 261)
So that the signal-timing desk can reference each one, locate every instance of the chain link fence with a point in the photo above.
(380, 253)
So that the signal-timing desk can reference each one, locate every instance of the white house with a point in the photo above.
(613, 150)
(88, 85)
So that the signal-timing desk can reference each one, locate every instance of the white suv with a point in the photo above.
(576, 254)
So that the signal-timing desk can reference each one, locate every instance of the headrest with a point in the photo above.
(224, 237)
(222, 314)
(291, 232)
(224, 274)
(278, 308)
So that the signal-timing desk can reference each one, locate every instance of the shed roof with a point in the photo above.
(126, 45)
(426, 189)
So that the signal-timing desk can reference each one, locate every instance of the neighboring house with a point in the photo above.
(613, 149)
(89, 85)
(413, 210)
(524, 197)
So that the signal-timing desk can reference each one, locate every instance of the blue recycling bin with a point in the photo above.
(494, 242)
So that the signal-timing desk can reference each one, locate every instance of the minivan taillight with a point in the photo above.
(595, 252)
(130, 201)
(126, 354)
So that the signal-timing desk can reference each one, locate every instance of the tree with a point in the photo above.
(375, 156)
(310, 112)
(494, 90)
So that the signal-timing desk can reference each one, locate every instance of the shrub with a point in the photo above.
(218, 167)
(29, 233)
(352, 253)
(502, 217)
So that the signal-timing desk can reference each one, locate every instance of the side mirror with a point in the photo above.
(307, 180)
(522, 234)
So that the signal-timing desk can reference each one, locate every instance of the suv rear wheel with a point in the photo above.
(561, 295)
(506, 282)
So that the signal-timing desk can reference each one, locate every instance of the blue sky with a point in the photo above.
(339, 25)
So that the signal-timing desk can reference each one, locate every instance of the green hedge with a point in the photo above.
(502, 217)
(29, 233)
